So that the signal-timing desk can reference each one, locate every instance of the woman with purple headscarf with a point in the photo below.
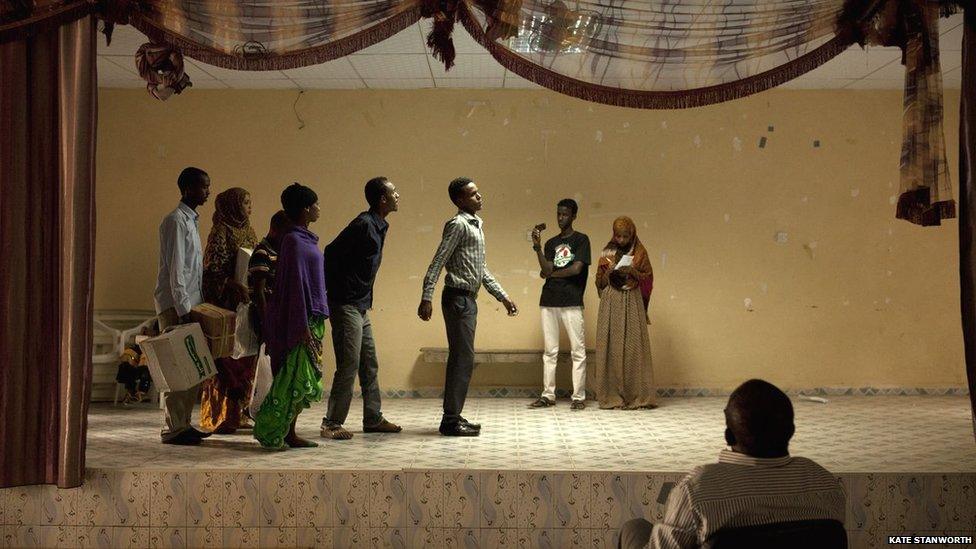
(294, 325)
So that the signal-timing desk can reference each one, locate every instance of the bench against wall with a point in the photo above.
(438, 355)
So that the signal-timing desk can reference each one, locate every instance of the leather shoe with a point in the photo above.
(475, 426)
(198, 433)
(186, 438)
(459, 430)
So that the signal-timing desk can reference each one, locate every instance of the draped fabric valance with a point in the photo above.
(665, 54)
(660, 54)
(261, 35)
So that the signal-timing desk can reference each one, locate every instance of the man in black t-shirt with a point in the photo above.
(564, 262)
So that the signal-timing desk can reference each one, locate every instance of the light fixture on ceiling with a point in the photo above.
(558, 30)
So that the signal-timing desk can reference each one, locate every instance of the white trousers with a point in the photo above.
(572, 319)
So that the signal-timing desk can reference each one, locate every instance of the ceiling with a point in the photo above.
(402, 62)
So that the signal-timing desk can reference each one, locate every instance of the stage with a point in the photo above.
(535, 478)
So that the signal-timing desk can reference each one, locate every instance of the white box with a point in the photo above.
(179, 358)
(240, 268)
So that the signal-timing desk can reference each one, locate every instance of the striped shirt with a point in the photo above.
(262, 260)
(741, 490)
(462, 253)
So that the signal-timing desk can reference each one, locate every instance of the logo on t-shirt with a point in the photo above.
(564, 256)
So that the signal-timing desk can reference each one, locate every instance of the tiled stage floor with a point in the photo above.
(547, 479)
(848, 434)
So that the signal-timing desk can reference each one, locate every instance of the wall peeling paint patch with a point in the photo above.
(893, 199)
(505, 122)
(781, 237)
(855, 193)
(474, 106)
(546, 134)
(810, 247)
(737, 144)
(748, 304)
(599, 136)
(664, 258)
(697, 141)
(727, 217)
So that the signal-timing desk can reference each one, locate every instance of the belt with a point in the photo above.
(451, 290)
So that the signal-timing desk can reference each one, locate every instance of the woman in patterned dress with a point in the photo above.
(624, 278)
(225, 396)
(294, 325)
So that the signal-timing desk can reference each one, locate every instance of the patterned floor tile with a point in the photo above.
(850, 433)
(535, 478)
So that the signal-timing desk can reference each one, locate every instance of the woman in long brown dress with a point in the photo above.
(223, 397)
(624, 278)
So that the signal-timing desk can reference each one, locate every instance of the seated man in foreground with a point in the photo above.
(755, 482)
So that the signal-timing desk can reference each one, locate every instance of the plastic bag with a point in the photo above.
(262, 381)
(246, 342)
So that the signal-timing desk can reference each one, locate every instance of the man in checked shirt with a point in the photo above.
(755, 482)
(462, 253)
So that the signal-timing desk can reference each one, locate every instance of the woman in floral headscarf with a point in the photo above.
(624, 278)
(224, 397)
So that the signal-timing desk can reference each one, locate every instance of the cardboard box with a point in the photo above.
(218, 327)
(179, 358)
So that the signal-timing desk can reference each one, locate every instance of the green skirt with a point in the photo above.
(296, 386)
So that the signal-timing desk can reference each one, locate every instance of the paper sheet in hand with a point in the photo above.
(625, 261)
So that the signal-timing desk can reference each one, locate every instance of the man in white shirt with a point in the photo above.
(755, 482)
(178, 289)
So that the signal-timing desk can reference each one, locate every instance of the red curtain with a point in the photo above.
(47, 175)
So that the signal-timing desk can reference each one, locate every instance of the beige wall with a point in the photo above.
(852, 298)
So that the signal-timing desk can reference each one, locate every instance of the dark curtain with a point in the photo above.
(47, 175)
(967, 199)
